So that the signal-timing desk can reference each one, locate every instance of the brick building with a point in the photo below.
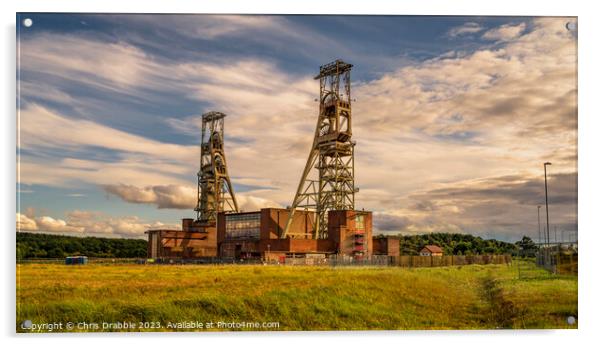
(388, 246)
(257, 235)
(431, 250)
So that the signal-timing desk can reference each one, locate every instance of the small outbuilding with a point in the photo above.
(431, 250)
(74, 260)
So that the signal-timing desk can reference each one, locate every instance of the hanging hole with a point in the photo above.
(571, 26)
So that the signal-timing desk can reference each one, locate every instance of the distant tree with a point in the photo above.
(22, 251)
(489, 250)
(37, 245)
(526, 246)
(461, 248)
(454, 243)
(55, 253)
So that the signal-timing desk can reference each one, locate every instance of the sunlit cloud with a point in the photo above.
(90, 223)
(505, 32)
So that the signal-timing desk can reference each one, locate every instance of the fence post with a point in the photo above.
(557, 258)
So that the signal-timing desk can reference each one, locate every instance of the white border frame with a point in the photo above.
(589, 185)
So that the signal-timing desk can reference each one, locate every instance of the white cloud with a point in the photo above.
(455, 119)
(24, 223)
(49, 224)
(190, 125)
(111, 66)
(213, 27)
(505, 32)
(464, 29)
(252, 93)
(139, 160)
(251, 203)
(43, 128)
(90, 223)
(179, 197)
(163, 196)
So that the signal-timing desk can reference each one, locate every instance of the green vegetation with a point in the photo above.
(455, 244)
(38, 245)
(299, 298)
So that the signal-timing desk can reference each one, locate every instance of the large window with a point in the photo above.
(243, 226)
(359, 221)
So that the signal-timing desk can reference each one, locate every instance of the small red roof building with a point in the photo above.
(431, 250)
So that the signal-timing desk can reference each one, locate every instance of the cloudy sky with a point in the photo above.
(453, 118)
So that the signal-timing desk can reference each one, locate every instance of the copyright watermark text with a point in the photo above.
(135, 326)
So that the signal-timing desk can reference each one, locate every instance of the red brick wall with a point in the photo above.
(270, 223)
(203, 240)
(386, 246)
(273, 222)
(342, 228)
(228, 248)
(221, 227)
(296, 245)
(393, 246)
(180, 244)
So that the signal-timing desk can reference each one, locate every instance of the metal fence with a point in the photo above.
(526, 269)
(558, 258)
(333, 260)
(455, 260)
(118, 261)
(90, 260)
(401, 261)
(342, 260)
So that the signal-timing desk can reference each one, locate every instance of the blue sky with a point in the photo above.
(453, 118)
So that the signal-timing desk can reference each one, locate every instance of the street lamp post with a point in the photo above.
(545, 174)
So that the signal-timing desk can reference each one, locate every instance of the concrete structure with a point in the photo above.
(257, 235)
(431, 250)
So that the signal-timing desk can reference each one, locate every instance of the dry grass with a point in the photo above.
(299, 298)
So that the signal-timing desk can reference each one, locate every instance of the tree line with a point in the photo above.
(455, 244)
(39, 245)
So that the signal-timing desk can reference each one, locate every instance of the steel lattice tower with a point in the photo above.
(215, 193)
(331, 153)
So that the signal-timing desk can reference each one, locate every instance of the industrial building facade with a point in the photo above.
(257, 235)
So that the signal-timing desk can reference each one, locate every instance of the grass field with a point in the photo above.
(296, 298)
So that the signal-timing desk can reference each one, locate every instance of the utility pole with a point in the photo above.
(545, 174)
(538, 224)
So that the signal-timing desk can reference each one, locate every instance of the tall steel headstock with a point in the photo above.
(331, 158)
(215, 193)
